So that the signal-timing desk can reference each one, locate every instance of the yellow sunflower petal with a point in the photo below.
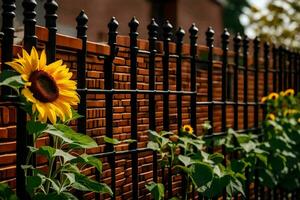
(53, 67)
(41, 109)
(28, 95)
(16, 66)
(34, 59)
(43, 60)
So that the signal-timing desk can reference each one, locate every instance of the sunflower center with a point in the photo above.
(187, 129)
(43, 86)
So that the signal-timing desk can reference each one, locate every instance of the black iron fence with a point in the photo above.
(283, 67)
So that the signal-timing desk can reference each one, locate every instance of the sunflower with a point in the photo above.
(47, 87)
(289, 92)
(273, 96)
(188, 129)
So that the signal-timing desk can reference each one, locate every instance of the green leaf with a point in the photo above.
(238, 165)
(201, 174)
(47, 151)
(113, 141)
(11, 79)
(218, 184)
(33, 182)
(153, 145)
(277, 163)
(83, 182)
(70, 136)
(36, 127)
(157, 190)
(266, 178)
(66, 156)
(6, 192)
(185, 160)
(216, 158)
(234, 187)
(90, 160)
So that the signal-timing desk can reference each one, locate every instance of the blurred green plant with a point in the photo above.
(277, 23)
(185, 153)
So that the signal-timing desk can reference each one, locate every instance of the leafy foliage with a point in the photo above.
(278, 22)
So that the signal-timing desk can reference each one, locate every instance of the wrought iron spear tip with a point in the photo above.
(193, 29)
(51, 6)
(210, 32)
(82, 18)
(237, 38)
(180, 33)
(113, 24)
(153, 26)
(29, 4)
(133, 24)
(167, 26)
(225, 35)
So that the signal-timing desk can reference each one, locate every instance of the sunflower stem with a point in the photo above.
(51, 164)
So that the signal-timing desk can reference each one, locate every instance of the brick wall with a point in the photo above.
(67, 48)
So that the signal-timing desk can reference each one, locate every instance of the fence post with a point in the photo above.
(82, 27)
(51, 17)
(133, 24)
(237, 39)
(209, 43)
(153, 33)
(256, 101)
(275, 70)
(296, 71)
(108, 85)
(8, 15)
(167, 33)
(266, 71)
(30, 40)
(280, 63)
(179, 41)
(245, 62)
(285, 70)
(193, 75)
(225, 41)
(290, 58)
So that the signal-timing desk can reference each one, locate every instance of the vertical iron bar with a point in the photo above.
(296, 71)
(81, 27)
(51, 17)
(209, 43)
(266, 73)
(245, 62)
(285, 70)
(193, 52)
(245, 114)
(167, 33)
(237, 39)
(30, 40)
(280, 63)
(275, 70)
(108, 85)
(256, 107)
(133, 24)
(179, 41)
(153, 33)
(290, 59)
(225, 41)
(82, 21)
(8, 31)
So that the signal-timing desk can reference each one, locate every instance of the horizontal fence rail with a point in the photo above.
(269, 67)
